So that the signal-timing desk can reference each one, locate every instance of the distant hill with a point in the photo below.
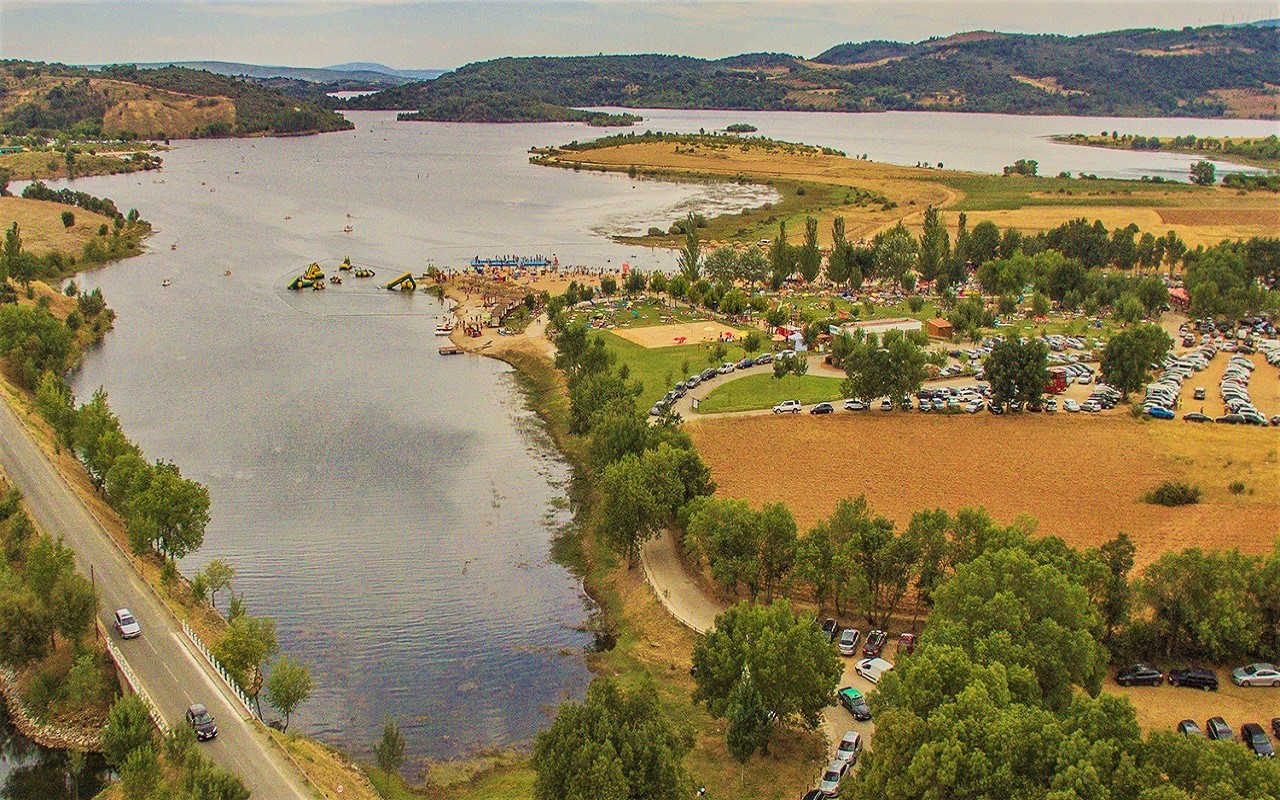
(172, 102)
(309, 74)
(1213, 71)
(383, 69)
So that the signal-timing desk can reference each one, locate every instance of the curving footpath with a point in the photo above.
(173, 676)
(685, 600)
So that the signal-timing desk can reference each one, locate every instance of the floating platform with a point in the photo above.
(451, 350)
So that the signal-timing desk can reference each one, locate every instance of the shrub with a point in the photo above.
(1236, 487)
(915, 302)
(1172, 493)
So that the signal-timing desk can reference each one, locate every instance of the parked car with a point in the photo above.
(727, 367)
(872, 668)
(1255, 738)
(201, 721)
(854, 703)
(1070, 406)
(1218, 730)
(822, 408)
(1190, 729)
(1196, 416)
(1140, 675)
(126, 624)
(886, 404)
(831, 777)
(849, 748)
(1198, 394)
(813, 794)
(708, 374)
(1160, 412)
(764, 358)
(874, 645)
(849, 641)
(854, 405)
(692, 381)
(1275, 726)
(830, 629)
(906, 644)
(787, 407)
(1256, 675)
(1194, 678)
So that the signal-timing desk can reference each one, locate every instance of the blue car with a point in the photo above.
(1159, 412)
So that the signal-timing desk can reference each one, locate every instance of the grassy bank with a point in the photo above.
(765, 391)
(1256, 151)
(49, 164)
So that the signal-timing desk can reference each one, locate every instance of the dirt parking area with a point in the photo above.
(674, 335)
(1082, 476)
(1163, 707)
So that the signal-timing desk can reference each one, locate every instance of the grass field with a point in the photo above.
(1198, 214)
(1081, 477)
(658, 368)
(40, 223)
(766, 391)
(48, 165)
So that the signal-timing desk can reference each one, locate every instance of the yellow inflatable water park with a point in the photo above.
(404, 283)
(361, 272)
(345, 266)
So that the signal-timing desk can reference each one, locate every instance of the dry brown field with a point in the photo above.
(674, 335)
(1081, 476)
(40, 223)
(131, 107)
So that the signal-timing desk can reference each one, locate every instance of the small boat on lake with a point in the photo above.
(444, 328)
(164, 282)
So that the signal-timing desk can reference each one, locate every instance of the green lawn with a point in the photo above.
(996, 192)
(766, 391)
(505, 783)
(658, 368)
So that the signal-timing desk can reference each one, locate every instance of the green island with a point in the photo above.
(1257, 151)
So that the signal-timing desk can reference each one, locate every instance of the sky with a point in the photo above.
(427, 35)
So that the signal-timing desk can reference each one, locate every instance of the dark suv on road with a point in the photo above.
(1195, 678)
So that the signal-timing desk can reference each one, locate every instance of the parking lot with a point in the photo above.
(1163, 707)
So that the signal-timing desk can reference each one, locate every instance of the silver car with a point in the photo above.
(831, 777)
(126, 624)
(1256, 675)
(849, 641)
(850, 747)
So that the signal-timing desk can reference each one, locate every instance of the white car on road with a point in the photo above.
(126, 624)
(872, 668)
(787, 407)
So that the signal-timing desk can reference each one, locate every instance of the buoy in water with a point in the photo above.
(164, 282)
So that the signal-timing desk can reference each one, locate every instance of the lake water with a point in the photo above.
(29, 772)
(393, 510)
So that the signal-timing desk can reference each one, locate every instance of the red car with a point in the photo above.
(874, 645)
(906, 644)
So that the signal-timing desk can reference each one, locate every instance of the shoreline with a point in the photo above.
(1216, 156)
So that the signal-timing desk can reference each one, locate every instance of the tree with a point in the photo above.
(782, 256)
(1018, 372)
(389, 752)
(614, 745)
(840, 260)
(1203, 173)
(1200, 604)
(217, 577)
(751, 342)
(690, 258)
(878, 565)
(73, 604)
(1153, 294)
(628, 514)
(128, 728)
(12, 251)
(891, 367)
(1115, 596)
(809, 257)
(26, 627)
(935, 245)
(748, 730)
(68, 219)
(140, 772)
(753, 267)
(1005, 607)
(35, 341)
(789, 660)
(896, 253)
(1039, 305)
(243, 650)
(1129, 356)
(170, 514)
(288, 686)
(722, 265)
(984, 242)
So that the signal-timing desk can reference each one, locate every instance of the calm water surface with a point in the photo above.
(390, 509)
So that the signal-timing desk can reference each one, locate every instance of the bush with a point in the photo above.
(656, 231)
(1172, 493)
(915, 302)
(1236, 487)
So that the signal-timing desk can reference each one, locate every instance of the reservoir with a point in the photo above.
(391, 510)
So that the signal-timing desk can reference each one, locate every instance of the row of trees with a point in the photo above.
(44, 600)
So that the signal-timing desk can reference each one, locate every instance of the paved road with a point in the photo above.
(171, 673)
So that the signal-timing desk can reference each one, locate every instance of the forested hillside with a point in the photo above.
(1212, 72)
(153, 103)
